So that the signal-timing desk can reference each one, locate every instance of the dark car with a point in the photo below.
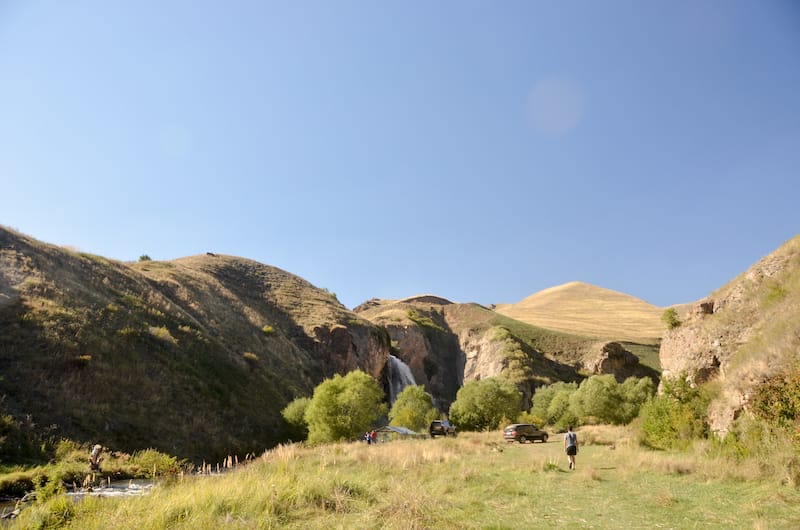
(523, 432)
(441, 428)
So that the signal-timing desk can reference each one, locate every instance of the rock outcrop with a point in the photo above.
(613, 358)
(741, 335)
(447, 344)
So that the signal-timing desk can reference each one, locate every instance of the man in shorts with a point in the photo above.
(571, 446)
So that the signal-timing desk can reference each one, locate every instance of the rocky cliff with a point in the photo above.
(447, 344)
(741, 335)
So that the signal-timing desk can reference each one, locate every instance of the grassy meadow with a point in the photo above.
(474, 481)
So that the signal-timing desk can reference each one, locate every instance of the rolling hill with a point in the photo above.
(195, 356)
(584, 309)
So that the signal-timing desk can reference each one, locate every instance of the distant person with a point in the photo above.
(94, 457)
(367, 437)
(571, 446)
(373, 436)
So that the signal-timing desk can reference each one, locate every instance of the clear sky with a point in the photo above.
(481, 151)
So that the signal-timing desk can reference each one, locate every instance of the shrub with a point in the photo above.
(600, 399)
(128, 332)
(670, 318)
(667, 423)
(21, 440)
(778, 400)
(543, 398)
(162, 333)
(250, 357)
(422, 320)
(676, 417)
(150, 463)
(294, 414)
(413, 409)
(342, 408)
(268, 330)
(481, 405)
(144, 257)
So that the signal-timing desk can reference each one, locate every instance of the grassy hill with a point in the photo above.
(584, 309)
(195, 356)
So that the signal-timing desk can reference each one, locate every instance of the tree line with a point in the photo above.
(344, 407)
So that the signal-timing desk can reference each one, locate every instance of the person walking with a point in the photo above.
(571, 446)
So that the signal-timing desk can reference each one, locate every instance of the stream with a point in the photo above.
(120, 488)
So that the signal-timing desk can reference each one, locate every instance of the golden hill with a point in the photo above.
(584, 309)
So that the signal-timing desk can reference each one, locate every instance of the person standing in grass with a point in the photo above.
(571, 446)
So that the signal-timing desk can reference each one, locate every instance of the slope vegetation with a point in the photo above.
(195, 356)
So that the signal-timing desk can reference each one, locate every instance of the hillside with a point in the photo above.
(195, 356)
(447, 344)
(584, 309)
(743, 336)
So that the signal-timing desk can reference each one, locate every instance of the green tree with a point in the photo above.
(635, 393)
(482, 405)
(543, 397)
(560, 411)
(670, 318)
(294, 413)
(343, 408)
(667, 423)
(676, 416)
(413, 409)
(598, 400)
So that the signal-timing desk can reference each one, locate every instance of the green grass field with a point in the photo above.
(473, 481)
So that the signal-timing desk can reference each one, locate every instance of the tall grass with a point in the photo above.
(473, 481)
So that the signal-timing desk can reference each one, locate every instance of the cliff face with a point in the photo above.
(446, 345)
(741, 335)
(195, 356)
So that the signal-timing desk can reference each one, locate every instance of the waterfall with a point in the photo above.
(399, 377)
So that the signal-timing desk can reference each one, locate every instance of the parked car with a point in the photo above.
(441, 428)
(523, 432)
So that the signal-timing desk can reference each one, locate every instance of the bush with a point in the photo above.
(543, 398)
(676, 417)
(150, 463)
(413, 409)
(668, 424)
(250, 357)
(670, 318)
(22, 441)
(343, 408)
(144, 257)
(482, 405)
(600, 399)
(294, 415)
(777, 400)
(268, 330)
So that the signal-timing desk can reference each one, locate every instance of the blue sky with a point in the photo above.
(480, 151)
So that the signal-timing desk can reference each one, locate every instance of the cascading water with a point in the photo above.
(400, 376)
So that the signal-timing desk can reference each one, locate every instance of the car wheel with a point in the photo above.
(522, 439)
(544, 439)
